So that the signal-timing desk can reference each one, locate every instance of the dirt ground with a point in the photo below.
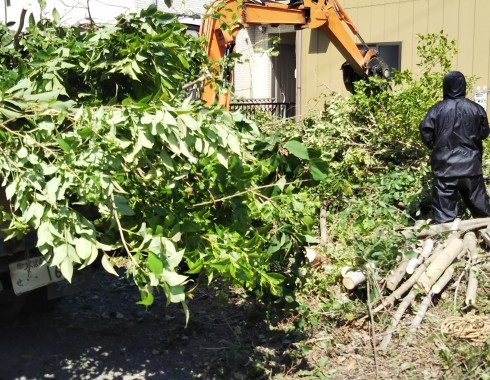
(101, 333)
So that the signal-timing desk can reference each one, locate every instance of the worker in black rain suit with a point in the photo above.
(454, 129)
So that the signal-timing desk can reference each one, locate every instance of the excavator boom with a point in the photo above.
(225, 19)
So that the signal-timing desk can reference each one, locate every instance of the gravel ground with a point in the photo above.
(101, 333)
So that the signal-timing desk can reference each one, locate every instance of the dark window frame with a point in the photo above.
(377, 45)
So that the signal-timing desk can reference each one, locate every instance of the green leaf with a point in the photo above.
(189, 121)
(106, 264)
(318, 169)
(63, 145)
(177, 237)
(222, 157)
(48, 170)
(166, 160)
(94, 253)
(317, 174)
(22, 153)
(60, 253)
(84, 248)
(45, 97)
(145, 139)
(52, 188)
(44, 235)
(174, 143)
(9, 114)
(234, 144)
(174, 279)
(169, 247)
(66, 269)
(274, 278)
(183, 61)
(281, 183)
(177, 294)
(196, 268)
(311, 239)
(154, 263)
(175, 258)
(199, 145)
(146, 298)
(34, 213)
(10, 190)
(297, 149)
(122, 206)
(56, 16)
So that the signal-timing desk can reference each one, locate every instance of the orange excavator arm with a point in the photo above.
(225, 18)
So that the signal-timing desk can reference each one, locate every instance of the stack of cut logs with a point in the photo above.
(430, 270)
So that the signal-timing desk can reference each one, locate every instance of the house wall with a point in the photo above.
(390, 21)
(242, 76)
(253, 74)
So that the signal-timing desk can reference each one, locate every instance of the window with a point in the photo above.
(389, 52)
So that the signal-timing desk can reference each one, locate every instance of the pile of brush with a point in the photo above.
(445, 254)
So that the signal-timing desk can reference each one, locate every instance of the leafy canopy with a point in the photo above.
(108, 156)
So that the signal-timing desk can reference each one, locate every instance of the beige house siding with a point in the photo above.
(399, 21)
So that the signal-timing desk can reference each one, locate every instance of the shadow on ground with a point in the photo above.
(101, 333)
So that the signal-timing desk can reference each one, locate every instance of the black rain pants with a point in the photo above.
(446, 192)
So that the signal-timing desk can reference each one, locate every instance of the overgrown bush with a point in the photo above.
(377, 174)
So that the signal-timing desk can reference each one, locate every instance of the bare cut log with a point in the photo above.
(314, 256)
(410, 282)
(403, 288)
(471, 288)
(323, 226)
(422, 310)
(353, 279)
(435, 229)
(440, 263)
(470, 244)
(436, 289)
(485, 234)
(397, 275)
(406, 302)
(414, 262)
(443, 280)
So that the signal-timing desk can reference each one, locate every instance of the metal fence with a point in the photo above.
(249, 107)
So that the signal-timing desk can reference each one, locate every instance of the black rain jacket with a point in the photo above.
(454, 129)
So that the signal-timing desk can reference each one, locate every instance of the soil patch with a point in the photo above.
(102, 333)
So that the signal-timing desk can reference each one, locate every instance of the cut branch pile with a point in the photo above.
(446, 254)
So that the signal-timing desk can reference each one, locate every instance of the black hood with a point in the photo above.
(454, 85)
